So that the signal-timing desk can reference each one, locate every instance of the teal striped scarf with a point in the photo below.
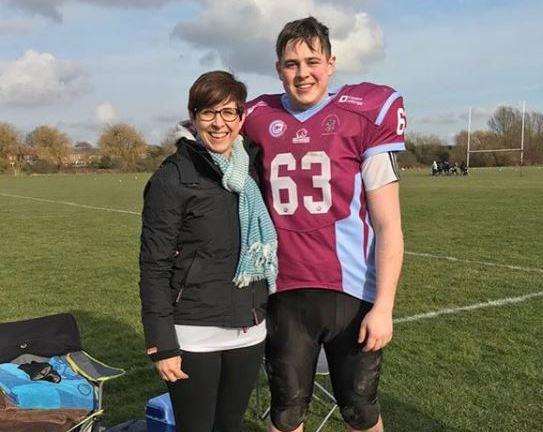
(258, 255)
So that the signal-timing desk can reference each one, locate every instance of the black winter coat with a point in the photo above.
(190, 244)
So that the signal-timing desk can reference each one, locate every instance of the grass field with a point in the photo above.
(472, 370)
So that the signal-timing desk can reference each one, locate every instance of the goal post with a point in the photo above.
(520, 149)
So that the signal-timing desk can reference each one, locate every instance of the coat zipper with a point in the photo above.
(178, 297)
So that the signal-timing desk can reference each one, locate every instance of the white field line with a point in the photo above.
(68, 203)
(428, 315)
(447, 311)
(420, 254)
(485, 263)
(450, 311)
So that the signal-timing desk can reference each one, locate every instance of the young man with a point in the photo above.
(330, 183)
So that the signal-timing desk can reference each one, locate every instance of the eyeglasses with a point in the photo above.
(227, 114)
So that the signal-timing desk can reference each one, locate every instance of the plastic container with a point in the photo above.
(159, 414)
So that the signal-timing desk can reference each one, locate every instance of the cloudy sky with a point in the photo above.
(80, 64)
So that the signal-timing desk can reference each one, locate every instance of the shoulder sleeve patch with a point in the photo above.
(367, 99)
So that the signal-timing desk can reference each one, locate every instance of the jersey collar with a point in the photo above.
(306, 114)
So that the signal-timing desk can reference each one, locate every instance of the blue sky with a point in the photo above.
(79, 64)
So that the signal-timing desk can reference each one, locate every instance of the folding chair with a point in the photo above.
(52, 336)
(327, 398)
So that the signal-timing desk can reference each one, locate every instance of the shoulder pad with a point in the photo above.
(367, 99)
(263, 103)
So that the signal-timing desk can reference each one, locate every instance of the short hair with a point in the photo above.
(304, 30)
(212, 88)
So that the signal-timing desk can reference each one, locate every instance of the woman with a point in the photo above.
(208, 258)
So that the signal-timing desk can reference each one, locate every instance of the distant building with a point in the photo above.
(82, 154)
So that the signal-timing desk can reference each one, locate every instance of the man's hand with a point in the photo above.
(375, 330)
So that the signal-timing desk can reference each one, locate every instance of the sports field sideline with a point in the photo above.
(467, 350)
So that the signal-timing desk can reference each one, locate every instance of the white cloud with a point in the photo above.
(242, 33)
(41, 79)
(106, 113)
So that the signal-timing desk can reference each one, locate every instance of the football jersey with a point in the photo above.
(313, 186)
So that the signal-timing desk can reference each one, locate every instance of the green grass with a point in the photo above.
(473, 371)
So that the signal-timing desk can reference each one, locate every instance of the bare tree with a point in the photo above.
(11, 147)
(427, 148)
(51, 145)
(124, 144)
(533, 138)
(169, 141)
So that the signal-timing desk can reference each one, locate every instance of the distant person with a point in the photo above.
(446, 167)
(464, 168)
(434, 168)
(454, 169)
(331, 185)
(208, 257)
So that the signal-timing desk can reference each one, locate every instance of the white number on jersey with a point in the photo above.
(278, 183)
(321, 181)
(402, 121)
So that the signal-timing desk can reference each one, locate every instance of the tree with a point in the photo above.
(123, 144)
(11, 147)
(533, 138)
(505, 126)
(427, 148)
(506, 123)
(169, 141)
(51, 145)
(482, 140)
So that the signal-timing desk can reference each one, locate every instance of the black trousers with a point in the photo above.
(216, 394)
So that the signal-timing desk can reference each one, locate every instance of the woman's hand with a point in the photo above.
(169, 369)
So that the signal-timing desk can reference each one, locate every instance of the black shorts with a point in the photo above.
(299, 322)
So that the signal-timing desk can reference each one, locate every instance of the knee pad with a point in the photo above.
(288, 419)
(361, 416)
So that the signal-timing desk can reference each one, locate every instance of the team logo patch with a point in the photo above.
(302, 137)
(277, 128)
(351, 100)
(330, 124)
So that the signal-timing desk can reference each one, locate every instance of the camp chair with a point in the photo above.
(326, 398)
(46, 337)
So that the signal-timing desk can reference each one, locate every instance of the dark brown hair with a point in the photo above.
(215, 87)
(304, 30)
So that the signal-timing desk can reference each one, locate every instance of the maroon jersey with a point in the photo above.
(313, 186)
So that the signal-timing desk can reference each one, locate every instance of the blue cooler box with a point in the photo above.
(159, 414)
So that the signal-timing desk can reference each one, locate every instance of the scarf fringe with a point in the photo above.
(263, 258)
